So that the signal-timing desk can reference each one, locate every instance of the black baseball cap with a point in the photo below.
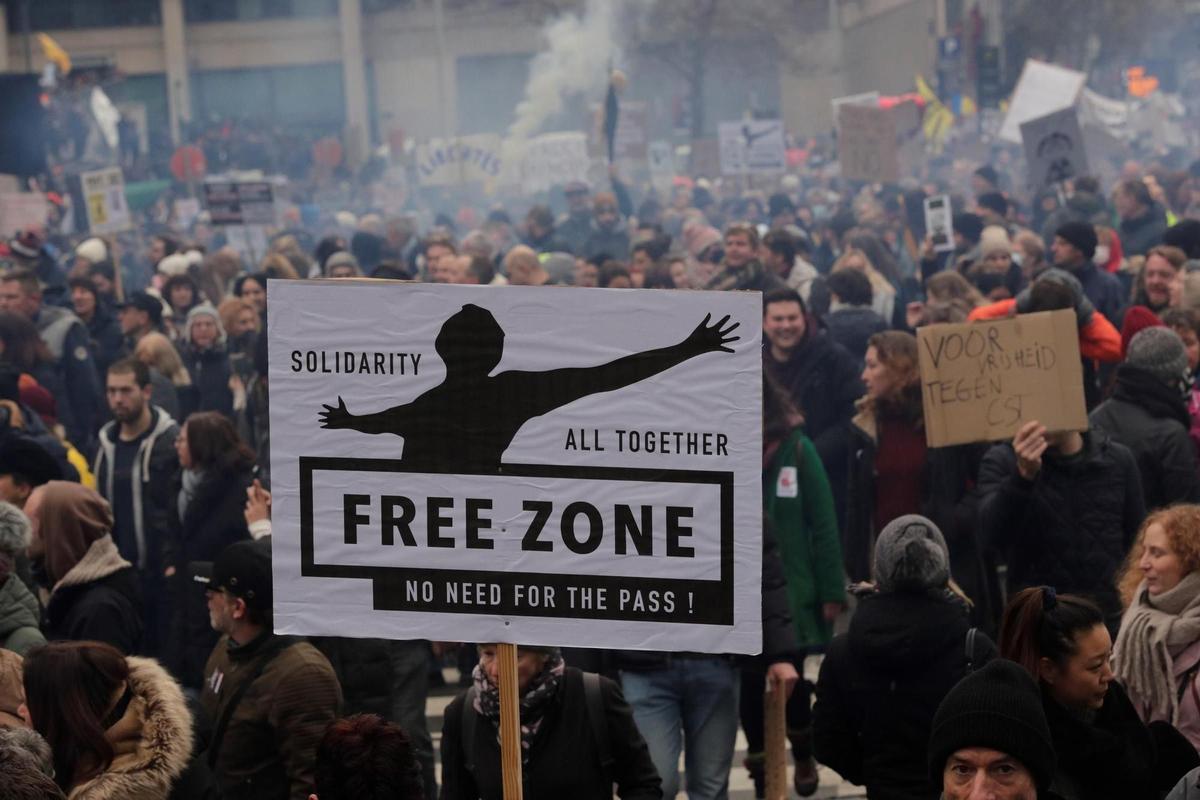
(243, 569)
(143, 301)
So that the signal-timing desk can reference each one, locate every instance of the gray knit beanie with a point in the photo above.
(911, 554)
(1160, 352)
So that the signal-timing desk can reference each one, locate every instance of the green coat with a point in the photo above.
(799, 507)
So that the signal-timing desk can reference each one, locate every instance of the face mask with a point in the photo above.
(1101, 256)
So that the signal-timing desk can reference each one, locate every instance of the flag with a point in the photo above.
(611, 112)
(55, 54)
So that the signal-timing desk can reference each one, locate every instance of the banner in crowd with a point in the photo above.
(752, 147)
(548, 466)
(553, 159)
(453, 162)
(20, 210)
(867, 147)
(240, 202)
(104, 200)
(1042, 88)
(981, 381)
(1054, 148)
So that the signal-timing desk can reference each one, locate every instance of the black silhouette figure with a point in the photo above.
(749, 136)
(467, 422)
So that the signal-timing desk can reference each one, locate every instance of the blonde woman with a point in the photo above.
(169, 379)
(883, 300)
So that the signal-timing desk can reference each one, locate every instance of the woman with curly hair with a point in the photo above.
(1157, 652)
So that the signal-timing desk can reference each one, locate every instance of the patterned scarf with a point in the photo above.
(1153, 632)
(534, 703)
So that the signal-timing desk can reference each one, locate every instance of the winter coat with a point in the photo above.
(165, 395)
(80, 401)
(152, 741)
(214, 520)
(1072, 525)
(107, 341)
(270, 742)
(563, 758)
(613, 242)
(852, 326)
(1103, 289)
(364, 670)
(880, 684)
(574, 231)
(1139, 234)
(210, 372)
(19, 617)
(1185, 668)
(154, 467)
(799, 506)
(98, 599)
(753, 277)
(1151, 419)
(1080, 207)
(949, 498)
(31, 427)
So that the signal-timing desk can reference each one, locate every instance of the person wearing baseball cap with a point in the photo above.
(271, 697)
(141, 313)
(1073, 248)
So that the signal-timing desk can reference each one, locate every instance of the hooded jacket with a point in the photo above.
(1139, 234)
(153, 469)
(1151, 419)
(19, 613)
(880, 684)
(152, 740)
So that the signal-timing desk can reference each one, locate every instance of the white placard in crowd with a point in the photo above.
(939, 223)
(1054, 148)
(661, 157)
(752, 147)
(577, 467)
(1041, 89)
(19, 210)
(553, 159)
(104, 199)
(453, 162)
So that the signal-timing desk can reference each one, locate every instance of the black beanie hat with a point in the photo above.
(998, 707)
(1080, 234)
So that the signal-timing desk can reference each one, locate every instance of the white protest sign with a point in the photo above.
(577, 467)
(456, 161)
(1041, 89)
(553, 159)
(21, 210)
(1054, 148)
(661, 156)
(104, 199)
(752, 147)
(939, 223)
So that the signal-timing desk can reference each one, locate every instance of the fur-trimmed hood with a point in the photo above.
(152, 741)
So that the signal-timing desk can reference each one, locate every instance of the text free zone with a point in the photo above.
(579, 526)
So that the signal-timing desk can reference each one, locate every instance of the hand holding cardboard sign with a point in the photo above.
(1029, 444)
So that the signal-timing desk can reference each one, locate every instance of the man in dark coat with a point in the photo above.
(1148, 414)
(1065, 508)
(1143, 221)
(741, 268)
(1073, 247)
(851, 320)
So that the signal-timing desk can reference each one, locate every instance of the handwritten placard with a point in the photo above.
(981, 381)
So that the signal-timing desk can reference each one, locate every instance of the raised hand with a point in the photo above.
(336, 417)
(712, 338)
(1030, 444)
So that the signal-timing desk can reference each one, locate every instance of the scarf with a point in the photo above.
(1140, 388)
(536, 701)
(192, 478)
(1153, 632)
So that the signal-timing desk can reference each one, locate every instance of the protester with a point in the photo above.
(610, 233)
(104, 331)
(253, 289)
(851, 320)
(909, 643)
(182, 295)
(1143, 221)
(364, 757)
(141, 314)
(277, 694)
(117, 725)
(19, 609)
(203, 351)
(1148, 414)
(93, 590)
(578, 736)
(575, 226)
(741, 268)
(1162, 271)
(1073, 248)
(1104, 750)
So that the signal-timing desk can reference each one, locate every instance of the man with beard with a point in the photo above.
(134, 467)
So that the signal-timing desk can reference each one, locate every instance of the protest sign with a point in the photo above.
(538, 465)
(21, 210)
(1041, 89)
(939, 223)
(752, 147)
(554, 159)
(661, 157)
(1054, 148)
(104, 200)
(981, 381)
(452, 162)
(869, 99)
(867, 144)
(240, 202)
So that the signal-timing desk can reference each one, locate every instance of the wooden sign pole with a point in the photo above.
(510, 722)
(775, 737)
(118, 281)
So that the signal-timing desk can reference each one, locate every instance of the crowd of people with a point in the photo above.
(1017, 619)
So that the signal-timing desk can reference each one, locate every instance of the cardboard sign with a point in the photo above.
(578, 467)
(454, 162)
(1054, 148)
(981, 381)
(752, 147)
(554, 159)
(869, 99)
(104, 200)
(939, 223)
(240, 202)
(1041, 89)
(21, 210)
(867, 144)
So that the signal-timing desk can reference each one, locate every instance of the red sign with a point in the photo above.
(187, 164)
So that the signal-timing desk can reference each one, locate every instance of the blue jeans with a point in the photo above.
(692, 705)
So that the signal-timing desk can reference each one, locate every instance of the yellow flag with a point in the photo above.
(54, 53)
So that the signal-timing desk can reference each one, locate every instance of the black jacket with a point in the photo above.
(214, 520)
(1151, 419)
(852, 326)
(563, 759)
(1141, 233)
(364, 669)
(210, 372)
(881, 683)
(105, 610)
(107, 341)
(1071, 526)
